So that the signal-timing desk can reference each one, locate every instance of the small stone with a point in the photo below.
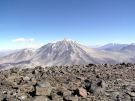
(56, 97)
(82, 92)
(26, 88)
(43, 84)
(115, 96)
(33, 81)
(23, 97)
(66, 93)
(4, 92)
(26, 78)
(40, 98)
(70, 98)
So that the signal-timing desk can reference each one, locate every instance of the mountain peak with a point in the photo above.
(65, 40)
(68, 40)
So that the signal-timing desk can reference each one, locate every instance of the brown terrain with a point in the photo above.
(69, 83)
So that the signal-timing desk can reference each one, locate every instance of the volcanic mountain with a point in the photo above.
(66, 52)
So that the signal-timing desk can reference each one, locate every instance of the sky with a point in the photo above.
(33, 23)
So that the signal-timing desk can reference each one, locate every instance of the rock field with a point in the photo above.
(69, 83)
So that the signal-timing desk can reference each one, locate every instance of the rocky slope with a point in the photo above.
(69, 83)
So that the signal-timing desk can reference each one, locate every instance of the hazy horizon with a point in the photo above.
(36, 45)
(33, 23)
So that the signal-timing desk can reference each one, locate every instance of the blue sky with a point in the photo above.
(32, 23)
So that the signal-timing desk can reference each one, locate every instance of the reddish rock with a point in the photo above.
(82, 92)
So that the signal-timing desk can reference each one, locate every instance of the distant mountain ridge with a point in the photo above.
(113, 47)
(18, 56)
(118, 47)
(130, 47)
(7, 52)
(68, 52)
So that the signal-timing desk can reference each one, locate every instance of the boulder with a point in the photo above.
(43, 88)
(98, 87)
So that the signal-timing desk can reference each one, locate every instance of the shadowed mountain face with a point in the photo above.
(68, 52)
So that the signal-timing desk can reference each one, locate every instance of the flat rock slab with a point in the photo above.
(43, 88)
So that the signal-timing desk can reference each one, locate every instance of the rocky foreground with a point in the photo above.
(69, 83)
